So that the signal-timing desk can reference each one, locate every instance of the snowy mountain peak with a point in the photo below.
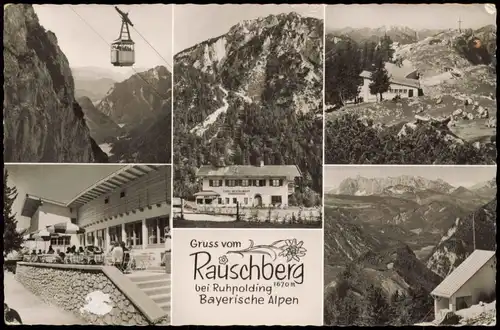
(374, 186)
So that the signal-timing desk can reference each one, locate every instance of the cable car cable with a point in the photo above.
(107, 43)
(133, 27)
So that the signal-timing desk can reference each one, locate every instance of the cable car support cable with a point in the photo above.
(108, 44)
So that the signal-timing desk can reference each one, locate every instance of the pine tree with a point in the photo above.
(378, 309)
(380, 78)
(343, 68)
(12, 239)
(385, 50)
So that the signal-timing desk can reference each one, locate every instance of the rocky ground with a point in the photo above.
(479, 315)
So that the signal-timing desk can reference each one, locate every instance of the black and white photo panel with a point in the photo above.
(410, 84)
(87, 244)
(410, 245)
(87, 83)
(248, 116)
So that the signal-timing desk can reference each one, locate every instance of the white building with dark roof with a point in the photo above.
(404, 83)
(474, 278)
(250, 186)
(44, 212)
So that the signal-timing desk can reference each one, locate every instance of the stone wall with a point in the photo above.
(69, 288)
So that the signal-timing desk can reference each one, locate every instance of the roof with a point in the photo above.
(395, 80)
(463, 273)
(32, 203)
(207, 193)
(113, 181)
(289, 171)
(402, 71)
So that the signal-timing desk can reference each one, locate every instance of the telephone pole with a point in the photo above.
(459, 25)
(473, 232)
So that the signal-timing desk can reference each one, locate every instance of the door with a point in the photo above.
(258, 200)
(410, 93)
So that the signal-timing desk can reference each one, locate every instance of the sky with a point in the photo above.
(420, 16)
(55, 182)
(85, 48)
(455, 175)
(196, 23)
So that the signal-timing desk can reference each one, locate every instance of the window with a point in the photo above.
(230, 183)
(101, 242)
(215, 183)
(61, 241)
(156, 230)
(199, 201)
(70, 210)
(276, 183)
(275, 200)
(133, 231)
(115, 234)
(235, 200)
(244, 183)
(90, 238)
(219, 200)
(245, 200)
(262, 183)
(81, 238)
(227, 200)
(237, 183)
(122, 194)
(73, 221)
(106, 200)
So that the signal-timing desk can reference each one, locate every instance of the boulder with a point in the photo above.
(405, 128)
(439, 100)
(483, 113)
(422, 118)
(492, 122)
(450, 318)
(470, 116)
(477, 145)
(457, 112)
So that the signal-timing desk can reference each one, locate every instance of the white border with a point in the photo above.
(171, 222)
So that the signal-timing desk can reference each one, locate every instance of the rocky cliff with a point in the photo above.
(42, 120)
(142, 95)
(142, 106)
(102, 128)
(458, 243)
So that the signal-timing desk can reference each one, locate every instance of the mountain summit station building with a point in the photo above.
(250, 186)
(130, 205)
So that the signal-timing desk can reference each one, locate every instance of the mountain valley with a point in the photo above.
(399, 234)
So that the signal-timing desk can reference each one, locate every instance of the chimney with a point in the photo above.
(261, 163)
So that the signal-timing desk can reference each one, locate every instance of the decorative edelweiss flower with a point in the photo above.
(223, 260)
(293, 250)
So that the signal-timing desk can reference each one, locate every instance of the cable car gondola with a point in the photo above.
(122, 49)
